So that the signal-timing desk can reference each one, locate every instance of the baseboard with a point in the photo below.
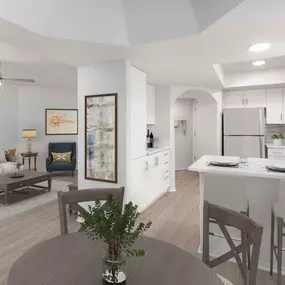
(158, 197)
(171, 190)
(180, 169)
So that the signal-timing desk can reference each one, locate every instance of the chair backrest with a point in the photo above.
(85, 195)
(62, 147)
(251, 235)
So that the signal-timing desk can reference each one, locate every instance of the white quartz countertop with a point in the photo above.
(256, 167)
(269, 145)
(156, 149)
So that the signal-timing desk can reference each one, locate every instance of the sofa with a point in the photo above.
(61, 147)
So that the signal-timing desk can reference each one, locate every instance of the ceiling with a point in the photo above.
(176, 42)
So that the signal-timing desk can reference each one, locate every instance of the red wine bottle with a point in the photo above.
(151, 140)
(148, 139)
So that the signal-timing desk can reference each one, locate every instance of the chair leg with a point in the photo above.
(279, 250)
(72, 173)
(272, 241)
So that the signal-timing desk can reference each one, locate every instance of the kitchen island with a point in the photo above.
(235, 188)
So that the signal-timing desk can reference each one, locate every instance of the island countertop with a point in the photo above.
(256, 167)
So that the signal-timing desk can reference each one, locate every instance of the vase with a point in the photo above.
(278, 142)
(114, 271)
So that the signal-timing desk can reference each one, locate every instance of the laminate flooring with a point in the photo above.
(175, 218)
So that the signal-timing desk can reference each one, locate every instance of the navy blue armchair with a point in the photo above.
(61, 147)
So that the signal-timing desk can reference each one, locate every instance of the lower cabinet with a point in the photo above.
(149, 179)
(276, 153)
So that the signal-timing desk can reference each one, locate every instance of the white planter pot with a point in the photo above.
(278, 142)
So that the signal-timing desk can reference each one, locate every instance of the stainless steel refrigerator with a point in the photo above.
(244, 132)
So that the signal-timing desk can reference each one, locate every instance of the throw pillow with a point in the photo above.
(10, 154)
(61, 156)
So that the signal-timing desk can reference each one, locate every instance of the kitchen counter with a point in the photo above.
(275, 146)
(151, 151)
(236, 189)
(256, 167)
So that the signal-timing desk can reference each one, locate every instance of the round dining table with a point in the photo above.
(75, 259)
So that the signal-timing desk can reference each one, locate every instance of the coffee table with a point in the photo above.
(31, 178)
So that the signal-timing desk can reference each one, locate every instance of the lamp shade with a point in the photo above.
(29, 133)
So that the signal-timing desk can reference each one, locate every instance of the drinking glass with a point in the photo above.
(243, 160)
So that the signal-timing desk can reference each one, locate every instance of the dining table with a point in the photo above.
(74, 259)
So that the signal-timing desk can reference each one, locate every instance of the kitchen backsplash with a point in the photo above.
(272, 129)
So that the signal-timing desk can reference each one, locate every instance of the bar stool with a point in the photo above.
(277, 219)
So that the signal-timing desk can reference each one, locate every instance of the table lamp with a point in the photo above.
(29, 134)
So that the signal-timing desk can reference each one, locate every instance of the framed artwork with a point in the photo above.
(101, 137)
(61, 122)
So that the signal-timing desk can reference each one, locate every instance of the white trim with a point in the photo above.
(152, 202)
(179, 169)
(172, 190)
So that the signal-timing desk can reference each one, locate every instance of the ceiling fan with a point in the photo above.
(4, 79)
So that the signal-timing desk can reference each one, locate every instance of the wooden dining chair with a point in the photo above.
(85, 195)
(250, 241)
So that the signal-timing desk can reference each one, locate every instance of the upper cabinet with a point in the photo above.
(255, 98)
(275, 106)
(150, 104)
(137, 113)
(234, 99)
(244, 99)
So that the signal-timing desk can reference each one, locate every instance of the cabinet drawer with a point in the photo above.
(276, 157)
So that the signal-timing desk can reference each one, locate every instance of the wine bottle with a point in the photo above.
(148, 139)
(151, 140)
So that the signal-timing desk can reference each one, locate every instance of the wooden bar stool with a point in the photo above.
(277, 220)
(251, 235)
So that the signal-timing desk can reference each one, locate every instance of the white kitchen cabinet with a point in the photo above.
(276, 153)
(234, 99)
(138, 121)
(245, 99)
(150, 104)
(255, 98)
(149, 178)
(274, 106)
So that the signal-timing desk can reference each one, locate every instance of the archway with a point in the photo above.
(203, 125)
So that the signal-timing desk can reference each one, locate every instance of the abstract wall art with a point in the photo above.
(101, 137)
(61, 122)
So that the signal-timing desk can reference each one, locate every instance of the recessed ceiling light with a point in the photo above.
(260, 47)
(258, 62)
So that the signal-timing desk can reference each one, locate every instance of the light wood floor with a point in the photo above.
(175, 219)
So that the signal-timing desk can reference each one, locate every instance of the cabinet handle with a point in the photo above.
(281, 117)
(166, 153)
(165, 177)
(166, 162)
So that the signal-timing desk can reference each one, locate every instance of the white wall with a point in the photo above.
(206, 126)
(9, 116)
(102, 79)
(32, 102)
(183, 110)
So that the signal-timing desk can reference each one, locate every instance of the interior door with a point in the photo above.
(249, 145)
(274, 106)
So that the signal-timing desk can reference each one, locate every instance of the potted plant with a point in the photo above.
(118, 231)
(278, 139)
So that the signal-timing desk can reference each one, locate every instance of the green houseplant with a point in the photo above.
(278, 138)
(118, 230)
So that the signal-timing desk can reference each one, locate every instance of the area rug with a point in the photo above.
(32, 200)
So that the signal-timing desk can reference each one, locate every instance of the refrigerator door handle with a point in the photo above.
(260, 147)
